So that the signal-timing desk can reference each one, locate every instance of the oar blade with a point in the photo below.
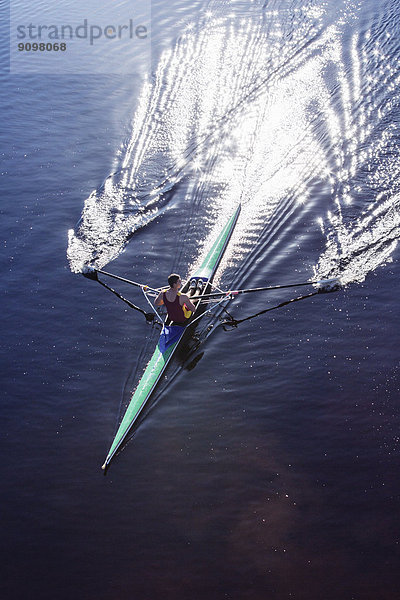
(90, 273)
(328, 285)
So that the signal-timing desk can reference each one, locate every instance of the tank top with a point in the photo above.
(175, 310)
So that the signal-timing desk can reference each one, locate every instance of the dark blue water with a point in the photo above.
(270, 470)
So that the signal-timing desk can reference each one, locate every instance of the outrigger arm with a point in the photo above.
(92, 273)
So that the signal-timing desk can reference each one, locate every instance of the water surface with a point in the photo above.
(269, 469)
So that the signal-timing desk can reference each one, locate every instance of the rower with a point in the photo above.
(179, 306)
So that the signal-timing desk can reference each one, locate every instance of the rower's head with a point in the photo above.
(174, 281)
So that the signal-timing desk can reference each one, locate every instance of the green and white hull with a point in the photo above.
(170, 337)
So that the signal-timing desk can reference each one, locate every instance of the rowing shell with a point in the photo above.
(171, 337)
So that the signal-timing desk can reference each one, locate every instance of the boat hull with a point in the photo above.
(170, 338)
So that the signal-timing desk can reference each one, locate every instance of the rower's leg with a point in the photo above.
(192, 288)
(198, 289)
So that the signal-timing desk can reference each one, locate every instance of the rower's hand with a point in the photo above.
(184, 299)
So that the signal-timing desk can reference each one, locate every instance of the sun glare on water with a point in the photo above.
(260, 109)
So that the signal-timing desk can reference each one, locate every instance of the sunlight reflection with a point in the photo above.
(258, 108)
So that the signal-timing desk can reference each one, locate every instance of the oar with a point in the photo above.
(325, 285)
(91, 273)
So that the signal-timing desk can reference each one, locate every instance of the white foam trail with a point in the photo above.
(259, 106)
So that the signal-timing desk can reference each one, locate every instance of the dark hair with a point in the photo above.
(173, 278)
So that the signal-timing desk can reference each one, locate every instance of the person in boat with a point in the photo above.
(179, 306)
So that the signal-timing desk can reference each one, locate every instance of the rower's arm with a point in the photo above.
(159, 300)
(183, 299)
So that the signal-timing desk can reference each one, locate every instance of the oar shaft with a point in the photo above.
(274, 287)
(140, 285)
(263, 289)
